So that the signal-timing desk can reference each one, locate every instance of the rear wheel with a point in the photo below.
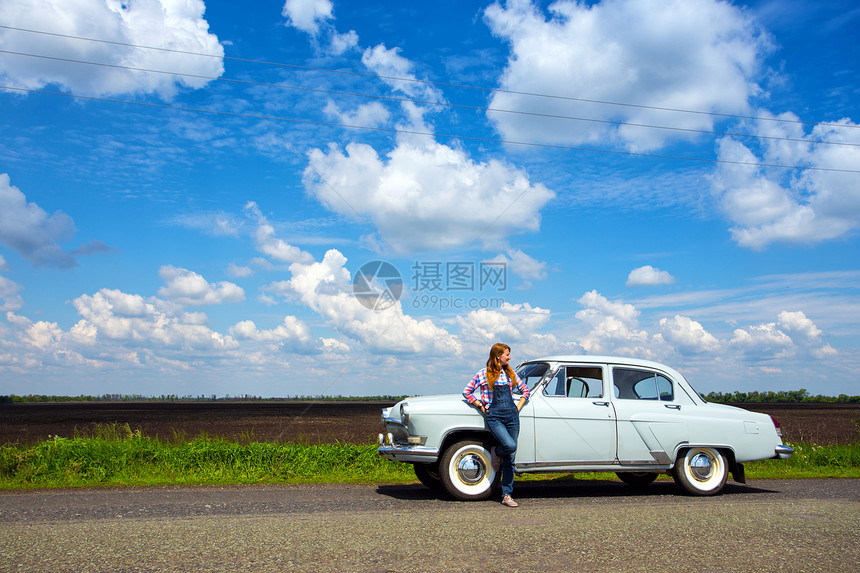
(428, 474)
(466, 471)
(701, 471)
(637, 479)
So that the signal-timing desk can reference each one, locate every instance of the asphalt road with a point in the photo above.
(802, 525)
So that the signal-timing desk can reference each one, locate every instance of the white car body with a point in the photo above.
(586, 413)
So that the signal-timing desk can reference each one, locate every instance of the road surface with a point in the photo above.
(784, 525)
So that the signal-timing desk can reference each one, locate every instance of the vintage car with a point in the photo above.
(636, 418)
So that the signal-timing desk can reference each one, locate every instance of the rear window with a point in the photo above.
(630, 384)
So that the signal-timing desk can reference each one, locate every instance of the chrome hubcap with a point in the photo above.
(701, 466)
(470, 469)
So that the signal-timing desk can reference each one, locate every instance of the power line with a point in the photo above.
(429, 134)
(428, 102)
(428, 82)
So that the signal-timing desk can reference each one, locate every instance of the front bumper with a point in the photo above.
(401, 452)
(783, 452)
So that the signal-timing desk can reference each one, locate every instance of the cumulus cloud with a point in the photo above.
(614, 328)
(114, 316)
(293, 335)
(30, 231)
(306, 15)
(314, 17)
(772, 205)
(793, 335)
(189, 288)
(511, 322)
(701, 55)
(325, 288)
(177, 26)
(427, 196)
(116, 328)
(688, 336)
(649, 276)
(268, 244)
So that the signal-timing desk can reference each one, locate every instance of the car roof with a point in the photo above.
(591, 359)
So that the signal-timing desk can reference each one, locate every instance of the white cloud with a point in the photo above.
(524, 266)
(614, 328)
(804, 333)
(188, 287)
(373, 114)
(114, 317)
(649, 276)
(307, 15)
(325, 287)
(268, 244)
(688, 336)
(775, 205)
(316, 18)
(427, 197)
(10, 298)
(293, 335)
(511, 322)
(774, 340)
(30, 231)
(389, 64)
(239, 271)
(178, 26)
(700, 55)
(115, 328)
(340, 43)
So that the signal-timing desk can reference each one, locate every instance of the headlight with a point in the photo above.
(404, 413)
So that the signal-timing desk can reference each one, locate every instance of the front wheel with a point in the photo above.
(701, 471)
(466, 471)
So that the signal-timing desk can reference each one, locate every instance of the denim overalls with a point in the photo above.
(503, 419)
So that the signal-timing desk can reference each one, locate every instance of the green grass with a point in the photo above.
(117, 456)
(121, 457)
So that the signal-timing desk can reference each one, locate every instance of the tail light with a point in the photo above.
(777, 425)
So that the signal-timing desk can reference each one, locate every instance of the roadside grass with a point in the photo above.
(115, 455)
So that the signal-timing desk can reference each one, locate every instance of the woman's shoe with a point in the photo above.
(509, 501)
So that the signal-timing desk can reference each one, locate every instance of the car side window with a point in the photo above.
(630, 384)
(576, 382)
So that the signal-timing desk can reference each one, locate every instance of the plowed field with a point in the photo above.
(320, 422)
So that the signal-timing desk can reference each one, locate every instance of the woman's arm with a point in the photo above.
(473, 384)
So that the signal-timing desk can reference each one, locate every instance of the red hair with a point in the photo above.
(494, 368)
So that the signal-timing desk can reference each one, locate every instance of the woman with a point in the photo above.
(495, 385)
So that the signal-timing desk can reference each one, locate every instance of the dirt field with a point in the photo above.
(320, 422)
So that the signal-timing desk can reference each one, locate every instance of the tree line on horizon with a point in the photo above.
(801, 396)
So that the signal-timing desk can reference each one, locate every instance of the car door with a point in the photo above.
(651, 412)
(574, 423)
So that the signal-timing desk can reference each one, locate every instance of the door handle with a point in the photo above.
(673, 406)
(601, 403)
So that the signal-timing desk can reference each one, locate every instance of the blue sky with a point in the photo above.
(188, 189)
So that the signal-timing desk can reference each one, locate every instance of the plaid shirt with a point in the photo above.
(479, 382)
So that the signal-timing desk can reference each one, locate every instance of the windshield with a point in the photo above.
(532, 373)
